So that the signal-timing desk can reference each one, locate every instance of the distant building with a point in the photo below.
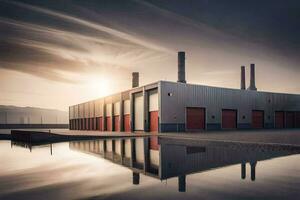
(166, 106)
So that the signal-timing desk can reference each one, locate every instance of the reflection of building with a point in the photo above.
(176, 106)
(178, 158)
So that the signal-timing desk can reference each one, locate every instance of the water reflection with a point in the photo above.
(164, 158)
(30, 146)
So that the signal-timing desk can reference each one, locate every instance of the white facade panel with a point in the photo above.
(153, 102)
(127, 107)
(127, 148)
(76, 112)
(86, 110)
(138, 113)
(81, 110)
(108, 109)
(92, 109)
(99, 108)
(117, 108)
(118, 147)
(139, 149)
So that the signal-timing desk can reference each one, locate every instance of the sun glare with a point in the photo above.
(98, 86)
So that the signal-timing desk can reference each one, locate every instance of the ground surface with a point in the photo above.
(283, 136)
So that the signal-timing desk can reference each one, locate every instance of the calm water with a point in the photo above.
(139, 168)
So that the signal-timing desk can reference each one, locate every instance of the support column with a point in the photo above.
(132, 112)
(146, 110)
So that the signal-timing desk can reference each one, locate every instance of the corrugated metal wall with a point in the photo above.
(175, 97)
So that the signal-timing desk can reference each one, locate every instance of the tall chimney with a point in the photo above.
(243, 81)
(181, 67)
(135, 79)
(252, 78)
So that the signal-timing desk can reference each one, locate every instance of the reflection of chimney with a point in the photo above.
(252, 78)
(181, 67)
(243, 83)
(243, 170)
(181, 183)
(135, 178)
(253, 166)
(135, 79)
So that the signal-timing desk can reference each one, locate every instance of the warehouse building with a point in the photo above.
(166, 106)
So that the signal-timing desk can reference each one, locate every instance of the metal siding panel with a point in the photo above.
(117, 108)
(126, 107)
(153, 102)
(138, 113)
(86, 110)
(108, 109)
(92, 109)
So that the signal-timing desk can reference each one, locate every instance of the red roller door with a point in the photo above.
(257, 119)
(229, 119)
(81, 124)
(195, 118)
(127, 123)
(116, 123)
(154, 143)
(279, 119)
(297, 119)
(99, 123)
(290, 120)
(91, 127)
(154, 121)
(87, 123)
(108, 124)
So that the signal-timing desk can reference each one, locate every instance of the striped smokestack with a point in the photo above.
(135, 79)
(243, 81)
(181, 67)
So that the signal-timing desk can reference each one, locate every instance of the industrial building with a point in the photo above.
(166, 106)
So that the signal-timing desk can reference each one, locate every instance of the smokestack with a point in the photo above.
(243, 81)
(135, 79)
(181, 67)
(252, 78)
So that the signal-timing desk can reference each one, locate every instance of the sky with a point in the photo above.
(58, 53)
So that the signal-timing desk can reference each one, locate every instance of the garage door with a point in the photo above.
(108, 124)
(279, 119)
(116, 123)
(297, 119)
(257, 119)
(195, 118)
(138, 112)
(229, 119)
(154, 121)
(99, 124)
(127, 123)
(290, 120)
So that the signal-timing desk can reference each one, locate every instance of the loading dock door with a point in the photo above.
(116, 123)
(195, 118)
(153, 110)
(290, 120)
(297, 119)
(138, 113)
(154, 121)
(108, 124)
(229, 119)
(127, 123)
(279, 119)
(257, 119)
